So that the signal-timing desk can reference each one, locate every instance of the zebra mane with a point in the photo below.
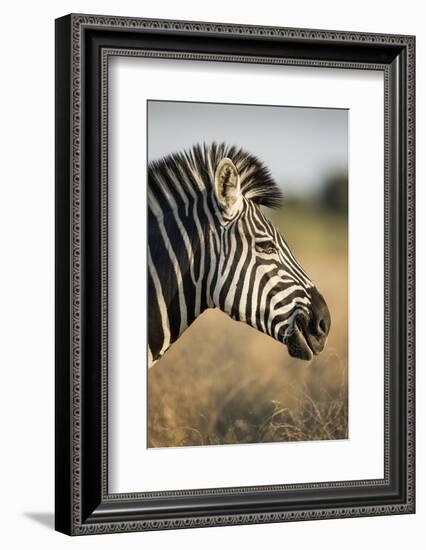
(257, 183)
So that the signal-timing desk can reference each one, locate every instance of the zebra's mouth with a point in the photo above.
(297, 341)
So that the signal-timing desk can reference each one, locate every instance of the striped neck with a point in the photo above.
(182, 253)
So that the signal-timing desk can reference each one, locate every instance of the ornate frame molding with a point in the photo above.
(76, 511)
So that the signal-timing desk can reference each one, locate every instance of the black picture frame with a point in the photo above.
(83, 504)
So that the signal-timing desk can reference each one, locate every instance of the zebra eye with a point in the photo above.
(270, 250)
(267, 247)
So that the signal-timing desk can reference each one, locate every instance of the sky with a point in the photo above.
(300, 145)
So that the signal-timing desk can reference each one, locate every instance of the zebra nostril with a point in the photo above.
(322, 327)
(320, 315)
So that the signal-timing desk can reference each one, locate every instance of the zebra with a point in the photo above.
(210, 245)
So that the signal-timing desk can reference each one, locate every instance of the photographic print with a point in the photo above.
(247, 274)
(217, 307)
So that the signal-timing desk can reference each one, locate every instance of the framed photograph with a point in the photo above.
(234, 274)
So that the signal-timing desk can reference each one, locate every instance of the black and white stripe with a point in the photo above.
(210, 245)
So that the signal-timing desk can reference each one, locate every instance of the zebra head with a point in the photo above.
(259, 281)
(210, 245)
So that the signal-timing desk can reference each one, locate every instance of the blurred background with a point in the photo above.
(224, 382)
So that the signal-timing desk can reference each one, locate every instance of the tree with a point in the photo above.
(334, 195)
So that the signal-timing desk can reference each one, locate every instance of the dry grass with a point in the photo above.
(224, 382)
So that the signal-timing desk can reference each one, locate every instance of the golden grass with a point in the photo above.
(224, 382)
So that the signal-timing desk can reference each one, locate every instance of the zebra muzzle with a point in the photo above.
(297, 341)
(309, 334)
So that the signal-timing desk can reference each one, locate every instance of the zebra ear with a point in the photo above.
(227, 184)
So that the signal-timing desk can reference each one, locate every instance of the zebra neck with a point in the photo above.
(178, 269)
